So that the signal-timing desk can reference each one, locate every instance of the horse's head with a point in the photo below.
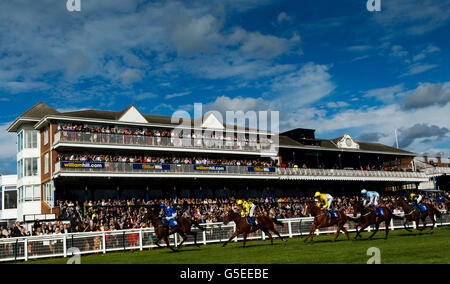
(399, 202)
(229, 216)
(311, 208)
(358, 208)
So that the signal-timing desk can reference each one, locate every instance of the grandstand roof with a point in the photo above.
(330, 145)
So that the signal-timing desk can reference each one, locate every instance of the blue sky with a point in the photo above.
(328, 65)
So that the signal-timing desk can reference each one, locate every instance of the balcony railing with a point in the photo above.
(275, 172)
(182, 169)
(163, 142)
(342, 174)
(438, 170)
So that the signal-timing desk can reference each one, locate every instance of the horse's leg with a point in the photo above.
(313, 229)
(337, 233)
(346, 232)
(387, 223)
(244, 234)
(235, 234)
(166, 240)
(377, 227)
(363, 227)
(267, 232)
(405, 225)
(194, 234)
(274, 229)
(157, 242)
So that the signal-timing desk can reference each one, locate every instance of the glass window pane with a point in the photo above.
(11, 199)
(37, 193)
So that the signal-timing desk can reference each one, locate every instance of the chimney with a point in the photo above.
(425, 159)
(439, 160)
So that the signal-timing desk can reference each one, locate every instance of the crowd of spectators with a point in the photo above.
(306, 165)
(164, 160)
(161, 136)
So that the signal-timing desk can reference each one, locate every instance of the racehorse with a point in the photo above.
(161, 230)
(323, 220)
(185, 226)
(265, 224)
(412, 214)
(370, 217)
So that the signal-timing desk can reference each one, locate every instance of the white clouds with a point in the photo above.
(8, 145)
(427, 94)
(385, 94)
(283, 17)
(414, 17)
(177, 95)
(415, 69)
(425, 52)
(309, 84)
(116, 41)
(398, 51)
(130, 76)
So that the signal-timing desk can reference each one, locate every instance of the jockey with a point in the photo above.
(247, 210)
(417, 199)
(324, 201)
(373, 198)
(170, 214)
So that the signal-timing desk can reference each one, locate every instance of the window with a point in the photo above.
(10, 199)
(46, 163)
(46, 136)
(32, 193)
(31, 167)
(20, 169)
(30, 139)
(20, 142)
(48, 193)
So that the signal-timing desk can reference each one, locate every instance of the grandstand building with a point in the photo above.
(95, 154)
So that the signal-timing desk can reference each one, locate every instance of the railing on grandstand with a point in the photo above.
(437, 170)
(69, 245)
(158, 141)
(348, 173)
(135, 168)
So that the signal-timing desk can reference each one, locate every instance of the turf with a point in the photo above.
(401, 247)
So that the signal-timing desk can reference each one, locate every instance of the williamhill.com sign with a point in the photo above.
(85, 165)
(210, 168)
(151, 167)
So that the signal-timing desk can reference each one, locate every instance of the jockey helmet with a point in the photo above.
(317, 194)
(412, 195)
(239, 202)
(363, 191)
(162, 205)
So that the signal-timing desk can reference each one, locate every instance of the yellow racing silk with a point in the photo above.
(246, 208)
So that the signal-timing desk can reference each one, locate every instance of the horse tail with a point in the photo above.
(197, 225)
(276, 222)
(438, 213)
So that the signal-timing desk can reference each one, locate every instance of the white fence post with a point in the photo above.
(290, 228)
(104, 242)
(141, 240)
(204, 237)
(26, 249)
(65, 246)
(234, 229)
